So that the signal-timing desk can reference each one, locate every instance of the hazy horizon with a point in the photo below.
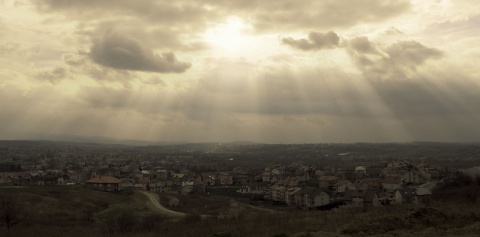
(241, 70)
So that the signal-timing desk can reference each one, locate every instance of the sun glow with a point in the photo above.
(230, 38)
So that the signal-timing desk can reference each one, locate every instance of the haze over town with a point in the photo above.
(279, 72)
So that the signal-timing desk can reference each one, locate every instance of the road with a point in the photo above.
(163, 210)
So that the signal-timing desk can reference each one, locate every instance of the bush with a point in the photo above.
(11, 212)
(125, 221)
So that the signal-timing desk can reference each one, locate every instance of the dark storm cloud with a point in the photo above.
(315, 41)
(121, 52)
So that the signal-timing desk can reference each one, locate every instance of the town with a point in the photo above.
(304, 177)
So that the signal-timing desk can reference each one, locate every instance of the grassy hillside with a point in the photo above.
(70, 210)
(59, 211)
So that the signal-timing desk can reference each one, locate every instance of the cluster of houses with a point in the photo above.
(43, 177)
(361, 186)
(293, 185)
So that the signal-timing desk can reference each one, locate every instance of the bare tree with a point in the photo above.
(10, 211)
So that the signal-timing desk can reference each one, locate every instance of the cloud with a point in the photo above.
(53, 75)
(411, 53)
(400, 60)
(315, 41)
(165, 24)
(121, 52)
(363, 46)
(307, 14)
(194, 16)
(156, 11)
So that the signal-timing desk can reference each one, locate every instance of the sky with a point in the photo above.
(279, 71)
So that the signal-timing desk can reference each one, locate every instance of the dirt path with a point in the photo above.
(163, 210)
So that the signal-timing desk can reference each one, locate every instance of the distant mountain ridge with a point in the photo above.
(108, 140)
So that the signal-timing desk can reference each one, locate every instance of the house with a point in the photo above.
(162, 174)
(104, 183)
(423, 196)
(424, 193)
(392, 183)
(266, 176)
(257, 188)
(277, 171)
(314, 198)
(341, 186)
(208, 179)
(144, 176)
(277, 193)
(179, 176)
(242, 179)
(359, 185)
(162, 186)
(187, 187)
(327, 181)
(127, 182)
(405, 195)
(289, 195)
(297, 198)
(361, 198)
(140, 186)
(291, 181)
(373, 183)
(361, 170)
(432, 170)
(415, 177)
(276, 179)
(225, 179)
(307, 198)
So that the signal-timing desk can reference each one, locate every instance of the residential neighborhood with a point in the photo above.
(298, 185)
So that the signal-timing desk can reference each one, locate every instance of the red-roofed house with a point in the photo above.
(104, 183)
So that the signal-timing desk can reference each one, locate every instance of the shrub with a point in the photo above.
(125, 221)
(148, 223)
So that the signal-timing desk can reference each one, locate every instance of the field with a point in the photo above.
(64, 211)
